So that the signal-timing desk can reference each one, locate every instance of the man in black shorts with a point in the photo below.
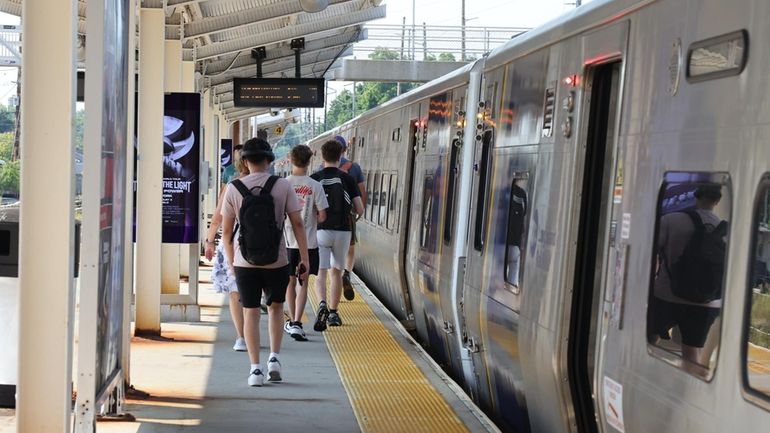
(273, 278)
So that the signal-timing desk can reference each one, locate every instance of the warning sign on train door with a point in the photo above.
(613, 404)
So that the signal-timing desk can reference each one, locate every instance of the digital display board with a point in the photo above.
(279, 92)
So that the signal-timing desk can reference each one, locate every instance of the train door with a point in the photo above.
(595, 183)
(474, 278)
(414, 191)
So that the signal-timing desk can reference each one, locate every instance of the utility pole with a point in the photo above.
(414, 28)
(462, 37)
(354, 99)
(401, 56)
(424, 41)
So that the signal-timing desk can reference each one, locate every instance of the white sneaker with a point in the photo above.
(287, 327)
(240, 345)
(256, 378)
(274, 370)
(297, 333)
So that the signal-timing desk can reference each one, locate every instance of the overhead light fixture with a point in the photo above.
(313, 5)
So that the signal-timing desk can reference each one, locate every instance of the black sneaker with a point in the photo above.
(334, 319)
(347, 286)
(321, 316)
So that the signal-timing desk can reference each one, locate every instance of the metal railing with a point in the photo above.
(421, 42)
(10, 45)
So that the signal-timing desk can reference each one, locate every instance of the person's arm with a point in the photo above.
(216, 220)
(362, 190)
(358, 207)
(321, 215)
(299, 234)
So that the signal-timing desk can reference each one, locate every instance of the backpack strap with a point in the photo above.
(346, 166)
(268, 186)
(241, 188)
(697, 221)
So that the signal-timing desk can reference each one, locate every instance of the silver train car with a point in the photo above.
(521, 211)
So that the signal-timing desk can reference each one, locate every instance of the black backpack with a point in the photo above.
(259, 236)
(698, 273)
(338, 212)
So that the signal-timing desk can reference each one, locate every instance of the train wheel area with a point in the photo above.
(367, 375)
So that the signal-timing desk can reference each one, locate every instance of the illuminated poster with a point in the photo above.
(226, 153)
(112, 196)
(181, 165)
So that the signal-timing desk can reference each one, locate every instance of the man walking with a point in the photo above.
(354, 170)
(334, 234)
(260, 202)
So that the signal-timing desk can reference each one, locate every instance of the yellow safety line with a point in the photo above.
(389, 394)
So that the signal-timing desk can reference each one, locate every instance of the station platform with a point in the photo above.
(366, 376)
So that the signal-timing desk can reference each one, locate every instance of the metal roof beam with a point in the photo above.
(245, 18)
(279, 52)
(291, 32)
(283, 64)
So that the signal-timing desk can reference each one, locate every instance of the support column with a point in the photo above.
(149, 171)
(189, 255)
(170, 252)
(128, 252)
(44, 399)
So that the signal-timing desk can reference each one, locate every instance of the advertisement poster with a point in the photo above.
(112, 196)
(226, 153)
(181, 164)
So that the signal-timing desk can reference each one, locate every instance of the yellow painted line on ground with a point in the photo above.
(389, 394)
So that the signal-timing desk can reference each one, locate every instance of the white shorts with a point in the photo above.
(332, 248)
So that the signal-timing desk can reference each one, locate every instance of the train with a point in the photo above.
(520, 211)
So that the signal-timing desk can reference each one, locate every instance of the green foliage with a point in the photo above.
(446, 57)
(7, 118)
(10, 177)
(759, 331)
(6, 146)
(381, 53)
(80, 120)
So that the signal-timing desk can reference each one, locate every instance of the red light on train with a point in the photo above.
(571, 80)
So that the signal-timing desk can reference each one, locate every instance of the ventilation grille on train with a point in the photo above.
(548, 111)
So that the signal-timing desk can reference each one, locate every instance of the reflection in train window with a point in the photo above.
(483, 187)
(368, 194)
(384, 199)
(450, 190)
(392, 200)
(518, 209)
(375, 198)
(757, 371)
(688, 270)
(427, 208)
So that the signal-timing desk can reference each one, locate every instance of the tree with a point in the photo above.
(446, 57)
(382, 53)
(10, 177)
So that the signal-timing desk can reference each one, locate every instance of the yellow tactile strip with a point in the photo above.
(389, 394)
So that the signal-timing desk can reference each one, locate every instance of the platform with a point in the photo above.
(367, 376)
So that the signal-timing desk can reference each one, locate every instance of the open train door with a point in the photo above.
(603, 54)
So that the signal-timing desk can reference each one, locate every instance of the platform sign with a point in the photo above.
(181, 167)
(279, 92)
(613, 404)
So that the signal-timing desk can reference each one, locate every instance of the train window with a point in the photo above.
(427, 209)
(717, 57)
(368, 203)
(688, 269)
(515, 238)
(450, 190)
(483, 187)
(375, 198)
(757, 333)
(384, 199)
(392, 200)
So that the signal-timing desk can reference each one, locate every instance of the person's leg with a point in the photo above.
(335, 286)
(251, 332)
(236, 312)
(350, 260)
(290, 298)
(275, 324)
(320, 285)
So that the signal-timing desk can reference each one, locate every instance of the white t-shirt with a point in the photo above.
(310, 195)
